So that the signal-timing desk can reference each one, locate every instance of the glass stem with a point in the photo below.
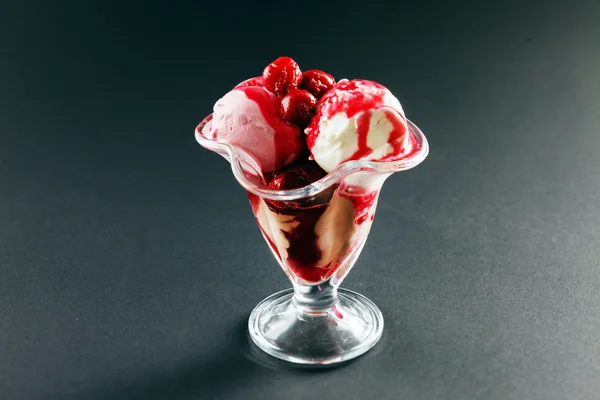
(315, 299)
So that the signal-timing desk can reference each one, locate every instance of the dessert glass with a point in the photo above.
(316, 234)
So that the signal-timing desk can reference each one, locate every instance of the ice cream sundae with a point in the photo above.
(298, 127)
(312, 154)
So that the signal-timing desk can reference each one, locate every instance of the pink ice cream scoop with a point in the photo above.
(249, 118)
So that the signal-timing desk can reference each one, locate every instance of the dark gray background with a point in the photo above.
(129, 259)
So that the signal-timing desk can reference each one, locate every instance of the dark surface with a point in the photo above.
(129, 259)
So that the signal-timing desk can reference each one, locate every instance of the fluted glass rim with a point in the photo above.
(237, 158)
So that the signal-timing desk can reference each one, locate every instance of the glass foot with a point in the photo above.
(349, 329)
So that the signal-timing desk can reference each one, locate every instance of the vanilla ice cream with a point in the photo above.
(357, 120)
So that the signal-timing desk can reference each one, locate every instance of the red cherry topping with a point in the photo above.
(282, 76)
(285, 180)
(298, 107)
(297, 176)
(316, 82)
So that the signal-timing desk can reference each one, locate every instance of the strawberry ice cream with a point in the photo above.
(249, 117)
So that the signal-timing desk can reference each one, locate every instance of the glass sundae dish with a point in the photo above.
(312, 155)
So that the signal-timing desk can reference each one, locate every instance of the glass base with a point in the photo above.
(348, 330)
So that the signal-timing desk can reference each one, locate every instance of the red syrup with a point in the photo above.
(301, 217)
(362, 102)
(303, 252)
(363, 203)
(337, 312)
(285, 144)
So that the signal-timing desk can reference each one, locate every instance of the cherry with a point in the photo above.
(286, 180)
(282, 75)
(297, 176)
(298, 107)
(316, 82)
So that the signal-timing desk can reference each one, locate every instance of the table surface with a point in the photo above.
(129, 258)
